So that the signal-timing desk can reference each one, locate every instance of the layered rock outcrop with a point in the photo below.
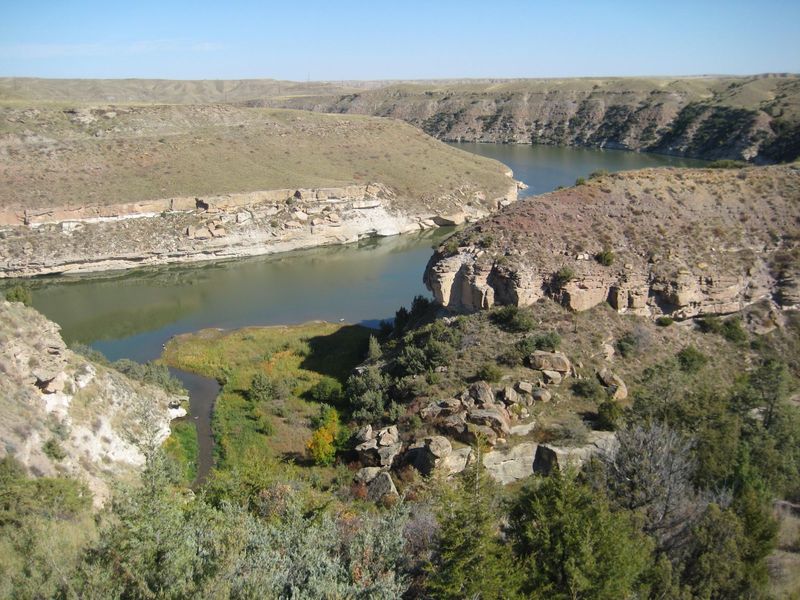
(64, 414)
(652, 242)
(747, 118)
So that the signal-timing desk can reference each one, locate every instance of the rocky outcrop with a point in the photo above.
(379, 449)
(748, 118)
(513, 464)
(63, 414)
(101, 238)
(550, 457)
(659, 241)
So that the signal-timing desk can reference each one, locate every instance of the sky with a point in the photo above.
(351, 39)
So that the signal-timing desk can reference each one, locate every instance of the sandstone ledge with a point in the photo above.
(191, 229)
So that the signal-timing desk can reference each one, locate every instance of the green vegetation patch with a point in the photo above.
(181, 446)
(271, 379)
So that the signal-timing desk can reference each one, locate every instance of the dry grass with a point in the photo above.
(57, 157)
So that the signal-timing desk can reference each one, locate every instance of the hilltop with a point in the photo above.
(754, 118)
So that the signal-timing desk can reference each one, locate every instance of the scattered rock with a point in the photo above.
(380, 487)
(553, 377)
(510, 396)
(429, 453)
(550, 361)
(367, 474)
(615, 385)
(542, 395)
(481, 392)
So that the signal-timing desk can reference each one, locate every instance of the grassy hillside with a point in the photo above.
(67, 156)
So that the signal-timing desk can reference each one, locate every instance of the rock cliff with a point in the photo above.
(652, 242)
(63, 414)
(748, 118)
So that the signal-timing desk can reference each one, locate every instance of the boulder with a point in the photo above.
(541, 395)
(481, 392)
(615, 385)
(387, 454)
(525, 387)
(550, 361)
(510, 396)
(457, 460)
(523, 428)
(430, 412)
(454, 425)
(511, 465)
(364, 434)
(367, 474)
(475, 433)
(430, 452)
(388, 436)
(553, 377)
(490, 417)
(380, 487)
(550, 457)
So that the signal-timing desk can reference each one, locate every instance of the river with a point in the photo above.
(133, 314)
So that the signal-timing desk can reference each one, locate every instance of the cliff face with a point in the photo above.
(745, 118)
(63, 414)
(674, 242)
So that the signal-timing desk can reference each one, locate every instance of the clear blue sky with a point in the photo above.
(297, 39)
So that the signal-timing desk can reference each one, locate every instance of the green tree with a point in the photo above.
(20, 293)
(719, 563)
(374, 351)
(471, 561)
(573, 545)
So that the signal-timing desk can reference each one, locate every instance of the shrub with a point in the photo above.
(261, 389)
(150, 372)
(691, 360)
(709, 324)
(588, 388)
(412, 360)
(626, 345)
(366, 393)
(513, 318)
(605, 258)
(490, 372)
(609, 414)
(598, 173)
(326, 391)
(327, 438)
(53, 449)
(563, 276)
(664, 321)
(733, 331)
(20, 293)
(727, 164)
(580, 181)
(450, 246)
